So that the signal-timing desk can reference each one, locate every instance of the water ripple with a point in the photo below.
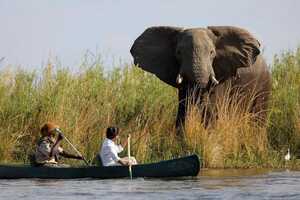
(211, 184)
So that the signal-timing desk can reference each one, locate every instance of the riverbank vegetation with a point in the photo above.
(86, 102)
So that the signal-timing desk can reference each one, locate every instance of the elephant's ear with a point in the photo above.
(154, 51)
(235, 47)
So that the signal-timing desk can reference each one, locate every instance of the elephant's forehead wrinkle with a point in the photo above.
(196, 42)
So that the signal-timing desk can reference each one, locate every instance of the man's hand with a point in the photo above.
(60, 136)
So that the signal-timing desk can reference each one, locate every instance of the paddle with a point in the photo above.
(128, 152)
(68, 141)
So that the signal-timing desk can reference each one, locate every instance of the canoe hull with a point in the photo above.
(186, 166)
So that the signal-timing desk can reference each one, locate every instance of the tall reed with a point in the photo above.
(284, 129)
(84, 103)
(232, 137)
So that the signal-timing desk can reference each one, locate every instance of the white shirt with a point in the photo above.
(109, 153)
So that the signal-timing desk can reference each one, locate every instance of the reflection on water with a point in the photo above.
(210, 184)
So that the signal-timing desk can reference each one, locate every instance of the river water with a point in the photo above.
(210, 184)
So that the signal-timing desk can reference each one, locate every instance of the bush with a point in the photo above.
(86, 102)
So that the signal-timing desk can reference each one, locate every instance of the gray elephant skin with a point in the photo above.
(204, 60)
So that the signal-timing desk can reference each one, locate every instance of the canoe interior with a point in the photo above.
(186, 166)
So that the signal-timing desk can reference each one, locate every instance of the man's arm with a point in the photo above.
(115, 157)
(56, 145)
(69, 155)
(122, 162)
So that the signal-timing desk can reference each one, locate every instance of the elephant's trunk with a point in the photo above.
(213, 79)
(205, 77)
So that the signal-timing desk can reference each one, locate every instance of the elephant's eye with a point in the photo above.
(212, 53)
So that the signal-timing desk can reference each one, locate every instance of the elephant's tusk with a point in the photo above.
(179, 79)
(214, 80)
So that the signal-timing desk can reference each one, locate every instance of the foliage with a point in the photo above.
(284, 123)
(86, 102)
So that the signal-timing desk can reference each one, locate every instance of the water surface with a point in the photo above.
(210, 184)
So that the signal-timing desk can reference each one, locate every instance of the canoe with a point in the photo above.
(185, 166)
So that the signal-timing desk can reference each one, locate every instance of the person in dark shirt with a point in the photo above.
(48, 147)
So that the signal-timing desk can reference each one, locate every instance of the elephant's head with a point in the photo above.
(194, 56)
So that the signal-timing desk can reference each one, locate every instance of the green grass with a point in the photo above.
(284, 123)
(86, 102)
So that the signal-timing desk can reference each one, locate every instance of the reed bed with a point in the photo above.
(86, 102)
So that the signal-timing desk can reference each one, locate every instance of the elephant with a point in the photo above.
(204, 60)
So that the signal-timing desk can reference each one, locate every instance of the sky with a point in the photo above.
(34, 31)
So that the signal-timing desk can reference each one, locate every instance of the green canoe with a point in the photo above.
(185, 166)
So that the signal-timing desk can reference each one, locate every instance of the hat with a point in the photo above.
(112, 132)
(48, 128)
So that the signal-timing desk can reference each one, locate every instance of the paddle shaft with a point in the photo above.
(128, 152)
(68, 141)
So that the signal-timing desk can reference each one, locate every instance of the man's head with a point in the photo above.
(112, 132)
(49, 129)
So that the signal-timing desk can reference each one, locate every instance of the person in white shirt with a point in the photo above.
(110, 149)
